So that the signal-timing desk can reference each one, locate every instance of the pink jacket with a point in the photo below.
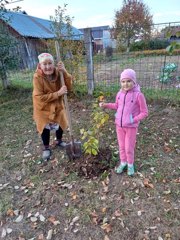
(131, 107)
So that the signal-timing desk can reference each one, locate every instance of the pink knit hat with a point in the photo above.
(45, 56)
(128, 74)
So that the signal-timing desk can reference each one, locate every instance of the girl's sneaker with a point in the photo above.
(130, 170)
(120, 168)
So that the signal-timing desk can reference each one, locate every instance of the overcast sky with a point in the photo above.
(97, 12)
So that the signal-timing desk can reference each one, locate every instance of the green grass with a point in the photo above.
(22, 79)
(5, 201)
(17, 127)
(166, 96)
(21, 85)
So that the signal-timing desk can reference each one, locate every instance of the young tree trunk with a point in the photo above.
(4, 78)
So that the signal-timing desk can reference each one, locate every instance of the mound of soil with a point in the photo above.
(91, 166)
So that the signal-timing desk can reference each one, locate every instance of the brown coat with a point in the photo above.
(48, 107)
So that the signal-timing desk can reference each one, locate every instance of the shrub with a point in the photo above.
(109, 52)
(152, 44)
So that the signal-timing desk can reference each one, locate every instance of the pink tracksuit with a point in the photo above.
(131, 108)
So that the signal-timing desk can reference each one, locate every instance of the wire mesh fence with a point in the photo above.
(155, 70)
(152, 71)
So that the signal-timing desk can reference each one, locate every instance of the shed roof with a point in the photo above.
(29, 26)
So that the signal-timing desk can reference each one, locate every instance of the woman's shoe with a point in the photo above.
(60, 143)
(46, 154)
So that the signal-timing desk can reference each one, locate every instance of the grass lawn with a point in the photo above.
(84, 199)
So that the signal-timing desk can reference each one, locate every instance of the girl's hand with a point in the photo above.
(101, 104)
(62, 90)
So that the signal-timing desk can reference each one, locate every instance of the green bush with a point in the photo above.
(149, 45)
(109, 52)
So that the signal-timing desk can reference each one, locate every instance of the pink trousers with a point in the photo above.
(127, 142)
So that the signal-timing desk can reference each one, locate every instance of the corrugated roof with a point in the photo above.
(29, 26)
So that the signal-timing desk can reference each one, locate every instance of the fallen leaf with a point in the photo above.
(152, 228)
(27, 155)
(139, 213)
(42, 218)
(3, 234)
(106, 181)
(16, 212)
(54, 162)
(103, 210)
(66, 185)
(75, 219)
(103, 198)
(49, 236)
(19, 219)
(147, 184)
(105, 189)
(37, 214)
(107, 227)
(168, 235)
(33, 219)
(10, 212)
(177, 180)
(29, 215)
(167, 192)
(41, 237)
(167, 149)
(21, 238)
(9, 230)
(106, 238)
(74, 195)
(37, 203)
(19, 178)
(94, 217)
(117, 213)
(53, 220)
(76, 230)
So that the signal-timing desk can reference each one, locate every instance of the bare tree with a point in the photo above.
(133, 21)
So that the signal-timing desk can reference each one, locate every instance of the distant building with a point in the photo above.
(101, 38)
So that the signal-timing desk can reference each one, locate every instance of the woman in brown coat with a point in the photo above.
(48, 107)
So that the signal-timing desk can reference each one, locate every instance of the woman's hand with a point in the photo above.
(62, 91)
(61, 67)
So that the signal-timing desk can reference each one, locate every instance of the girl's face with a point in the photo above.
(47, 67)
(127, 84)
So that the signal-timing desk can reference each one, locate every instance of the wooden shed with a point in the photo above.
(31, 34)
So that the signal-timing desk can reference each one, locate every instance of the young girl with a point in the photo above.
(48, 106)
(131, 107)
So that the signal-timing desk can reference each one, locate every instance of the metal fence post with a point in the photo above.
(89, 60)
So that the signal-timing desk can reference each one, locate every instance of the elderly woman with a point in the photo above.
(48, 107)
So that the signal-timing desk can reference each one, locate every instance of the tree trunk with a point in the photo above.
(5, 82)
